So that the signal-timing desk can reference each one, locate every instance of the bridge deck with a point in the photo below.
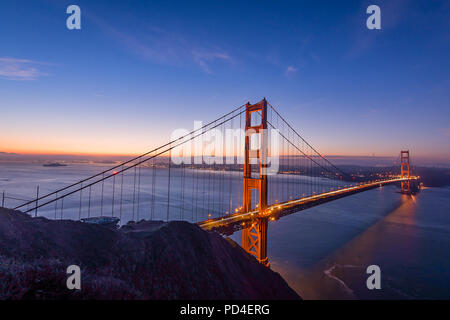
(229, 224)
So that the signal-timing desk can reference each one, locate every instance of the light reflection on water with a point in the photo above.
(322, 252)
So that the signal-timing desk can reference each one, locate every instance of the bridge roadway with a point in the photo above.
(229, 224)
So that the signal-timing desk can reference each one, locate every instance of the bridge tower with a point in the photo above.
(254, 238)
(405, 171)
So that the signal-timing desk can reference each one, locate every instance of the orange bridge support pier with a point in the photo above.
(254, 238)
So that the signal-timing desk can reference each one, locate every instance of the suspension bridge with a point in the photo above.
(238, 172)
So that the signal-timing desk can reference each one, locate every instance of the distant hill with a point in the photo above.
(8, 153)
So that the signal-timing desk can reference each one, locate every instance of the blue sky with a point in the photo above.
(139, 69)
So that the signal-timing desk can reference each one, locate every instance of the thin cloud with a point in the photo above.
(204, 58)
(20, 69)
(166, 47)
(290, 70)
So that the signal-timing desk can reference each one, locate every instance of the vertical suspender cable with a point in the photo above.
(168, 187)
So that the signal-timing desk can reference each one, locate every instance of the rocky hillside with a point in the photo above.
(147, 260)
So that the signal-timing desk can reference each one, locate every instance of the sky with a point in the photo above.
(137, 70)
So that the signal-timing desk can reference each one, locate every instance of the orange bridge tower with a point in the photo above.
(254, 237)
(405, 171)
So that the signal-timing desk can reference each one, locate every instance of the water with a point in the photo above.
(322, 252)
(195, 195)
(134, 198)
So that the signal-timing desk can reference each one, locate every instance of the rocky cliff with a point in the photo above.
(146, 260)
